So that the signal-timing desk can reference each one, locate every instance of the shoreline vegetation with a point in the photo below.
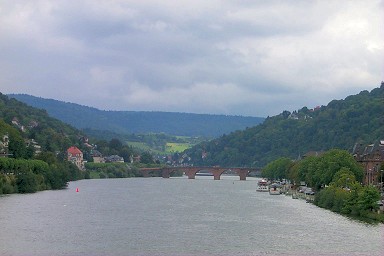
(29, 176)
(370, 217)
(337, 179)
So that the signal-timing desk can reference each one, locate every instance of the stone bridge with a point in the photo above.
(191, 171)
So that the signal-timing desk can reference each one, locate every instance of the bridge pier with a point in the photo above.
(145, 173)
(217, 173)
(242, 173)
(166, 173)
(191, 173)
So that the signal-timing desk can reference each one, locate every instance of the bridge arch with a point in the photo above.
(191, 171)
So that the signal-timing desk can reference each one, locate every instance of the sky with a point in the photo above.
(245, 57)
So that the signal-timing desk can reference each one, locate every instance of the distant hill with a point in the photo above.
(340, 124)
(140, 122)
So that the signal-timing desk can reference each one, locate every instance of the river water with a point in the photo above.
(176, 216)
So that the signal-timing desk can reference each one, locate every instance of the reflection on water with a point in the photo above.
(176, 216)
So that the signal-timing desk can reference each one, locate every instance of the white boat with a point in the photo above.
(262, 186)
(275, 189)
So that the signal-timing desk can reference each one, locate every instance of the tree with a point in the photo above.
(351, 206)
(278, 169)
(126, 153)
(17, 146)
(115, 144)
(343, 178)
(318, 171)
(146, 158)
(27, 182)
(367, 200)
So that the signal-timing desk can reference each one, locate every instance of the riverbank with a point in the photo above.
(367, 216)
(297, 195)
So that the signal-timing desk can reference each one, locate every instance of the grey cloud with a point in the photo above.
(244, 57)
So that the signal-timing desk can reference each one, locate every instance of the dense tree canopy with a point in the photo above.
(318, 171)
(141, 122)
(340, 124)
(23, 170)
(278, 169)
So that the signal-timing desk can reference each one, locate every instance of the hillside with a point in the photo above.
(340, 124)
(140, 122)
(31, 123)
(33, 149)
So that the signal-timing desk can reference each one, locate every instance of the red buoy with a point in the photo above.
(77, 189)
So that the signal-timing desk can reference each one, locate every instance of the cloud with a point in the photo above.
(245, 58)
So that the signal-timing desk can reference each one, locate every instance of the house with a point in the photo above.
(97, 156)
(371, 157)
(15, 121)
(75, 156)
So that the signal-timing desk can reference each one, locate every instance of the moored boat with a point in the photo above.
(275, 189)
(262, 186)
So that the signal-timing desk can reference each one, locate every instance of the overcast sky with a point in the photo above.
(245, 57)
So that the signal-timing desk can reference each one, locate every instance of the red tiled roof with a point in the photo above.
(74, 150)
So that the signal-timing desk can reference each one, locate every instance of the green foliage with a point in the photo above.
(172, 147)
(51, 134)
(354, 200)
(277, 169)
(7, 184)
(116, 147)
(146, 158)
(367, 200)
(320, 171)
(28, 176)
(27, 182)
(332, 198)
(112, 170)
(337, 178)
(343, 178)
(340, 124)
(351, 206)
(24, 172)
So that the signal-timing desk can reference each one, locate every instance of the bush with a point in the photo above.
(7, 184)
(27, 182)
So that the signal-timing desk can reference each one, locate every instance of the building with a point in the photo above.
(371, 157)
(97, 156)
(114, 159)
(75, 156)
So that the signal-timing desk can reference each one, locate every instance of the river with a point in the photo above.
(176, 216)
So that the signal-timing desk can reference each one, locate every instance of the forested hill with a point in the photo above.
(35, 149)
(340, 124)
(128, 122)
(23, 123)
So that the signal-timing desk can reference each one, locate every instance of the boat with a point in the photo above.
(275, 189)
(262, 186)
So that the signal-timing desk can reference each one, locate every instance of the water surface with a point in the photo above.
(176, 216)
